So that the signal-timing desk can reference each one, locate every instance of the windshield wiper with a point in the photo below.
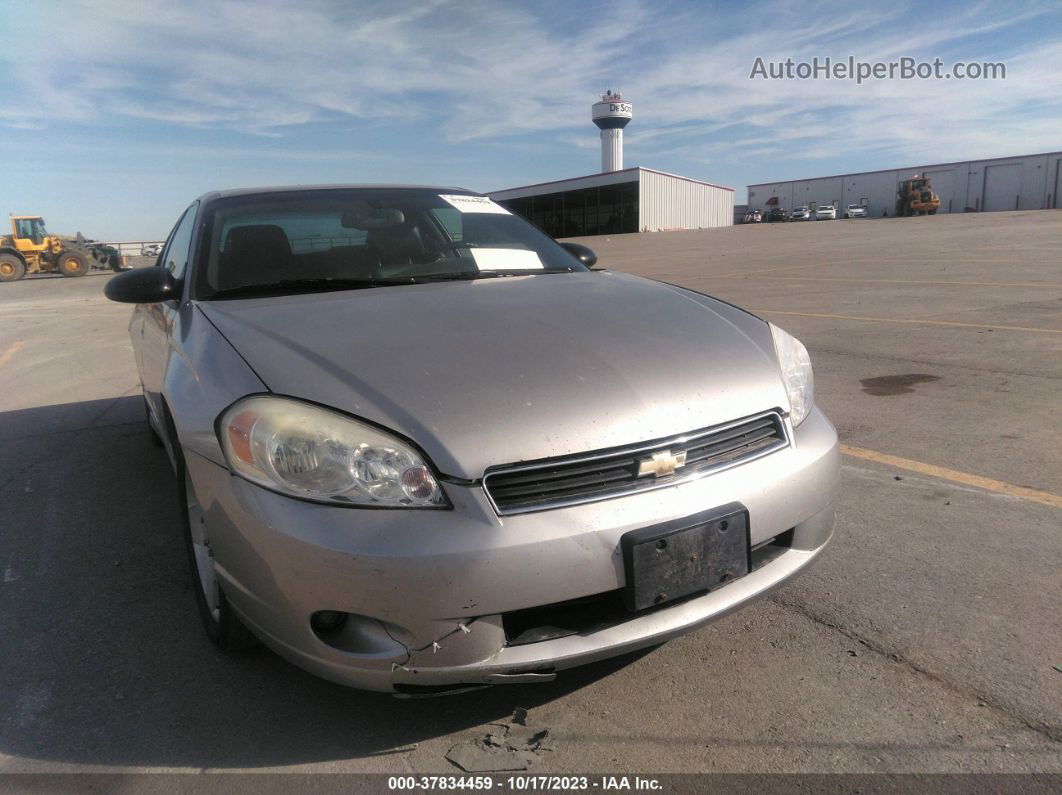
(306, 285)
(487, 274)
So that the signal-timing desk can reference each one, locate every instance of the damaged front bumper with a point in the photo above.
(429, 592)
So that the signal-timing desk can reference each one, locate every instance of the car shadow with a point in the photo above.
(104, 661)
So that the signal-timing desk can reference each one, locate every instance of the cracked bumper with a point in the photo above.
(427, 588)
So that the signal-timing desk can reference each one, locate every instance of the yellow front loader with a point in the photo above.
(916, 197)
(30, 249)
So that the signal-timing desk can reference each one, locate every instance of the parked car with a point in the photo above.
(151, 249)
(801, 214)
(825, 212)
(440, 451)
(856, 211)
(752, 217)
(775, 215)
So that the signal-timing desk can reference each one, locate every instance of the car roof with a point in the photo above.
(224, 194)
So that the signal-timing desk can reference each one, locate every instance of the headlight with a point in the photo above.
(313, 453)
(796, 373)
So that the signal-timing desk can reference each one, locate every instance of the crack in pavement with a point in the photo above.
(1050, 732)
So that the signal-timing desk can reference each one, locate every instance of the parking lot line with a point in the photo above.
(12, 349)
(908, 321)
(1037, 285)
(988, 484)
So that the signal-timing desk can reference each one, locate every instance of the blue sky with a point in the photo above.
(114, 115)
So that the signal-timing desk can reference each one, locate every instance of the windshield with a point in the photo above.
(324, 239)
(31, 229)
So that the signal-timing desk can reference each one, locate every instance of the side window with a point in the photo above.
(175, 257)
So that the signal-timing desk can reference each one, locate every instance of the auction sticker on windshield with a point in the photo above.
(474, 204)
(506, 259)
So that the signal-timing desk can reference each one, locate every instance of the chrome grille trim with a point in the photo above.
(768, 433)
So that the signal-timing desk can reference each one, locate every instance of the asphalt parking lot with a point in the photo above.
(928, 638)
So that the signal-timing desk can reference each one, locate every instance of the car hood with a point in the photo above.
(496, 371)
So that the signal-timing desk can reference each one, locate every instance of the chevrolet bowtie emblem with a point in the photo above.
(662, 463)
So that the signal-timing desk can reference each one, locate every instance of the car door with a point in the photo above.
(157, 319)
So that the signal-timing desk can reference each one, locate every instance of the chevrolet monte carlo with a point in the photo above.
(422, 447)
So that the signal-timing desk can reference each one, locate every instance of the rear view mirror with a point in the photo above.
(142, 286)
(582, 253)
(365, 217)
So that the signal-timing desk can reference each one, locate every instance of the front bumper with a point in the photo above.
(427, 588)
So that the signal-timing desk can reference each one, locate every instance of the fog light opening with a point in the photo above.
(327, 620)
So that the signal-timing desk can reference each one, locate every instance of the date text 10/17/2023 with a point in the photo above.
(525, 783)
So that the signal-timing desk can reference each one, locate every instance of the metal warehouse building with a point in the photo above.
(1027, 182)
(630, 200)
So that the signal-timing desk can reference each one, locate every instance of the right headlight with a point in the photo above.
(796, 373)
(307, 451)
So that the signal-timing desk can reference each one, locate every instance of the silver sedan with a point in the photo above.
(421, 447)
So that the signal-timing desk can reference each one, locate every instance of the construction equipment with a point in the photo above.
(30, 249)
(915, 197)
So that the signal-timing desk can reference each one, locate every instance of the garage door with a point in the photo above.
(943, 183)
(1002, 186)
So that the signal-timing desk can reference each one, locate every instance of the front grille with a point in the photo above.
(555, 482)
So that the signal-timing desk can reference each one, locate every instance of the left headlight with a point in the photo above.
(309, 452)
(796, 373)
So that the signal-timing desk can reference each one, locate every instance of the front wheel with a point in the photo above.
(224, 629)
(11, 268)
(73, 264)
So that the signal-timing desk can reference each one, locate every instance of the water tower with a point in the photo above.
(611, 115)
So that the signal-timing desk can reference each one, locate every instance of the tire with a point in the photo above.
(11, 268)
(73, 264)
(931, 212)
(220, 623)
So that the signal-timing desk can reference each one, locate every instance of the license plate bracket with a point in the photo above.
(697, 553)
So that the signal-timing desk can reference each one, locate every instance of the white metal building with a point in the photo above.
(1026, 182)
(632, 200)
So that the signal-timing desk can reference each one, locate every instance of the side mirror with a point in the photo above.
(581, 253)
(142, 286)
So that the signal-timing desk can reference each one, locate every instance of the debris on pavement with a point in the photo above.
(506, 746)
